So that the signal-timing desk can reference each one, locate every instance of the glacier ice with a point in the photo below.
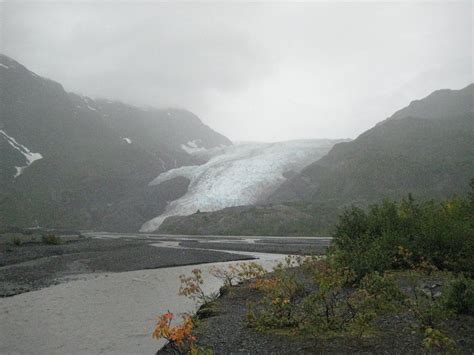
(236, 175)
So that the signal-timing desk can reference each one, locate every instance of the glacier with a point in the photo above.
(240, 174)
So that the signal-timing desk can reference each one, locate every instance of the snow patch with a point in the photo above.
(4, 66)
(192, 147)
(86, 101)
(193, 144)
(241, 174)
(29, 155)
(128, 140)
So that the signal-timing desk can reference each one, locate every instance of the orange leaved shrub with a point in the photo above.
(179, 336)
(191, 287)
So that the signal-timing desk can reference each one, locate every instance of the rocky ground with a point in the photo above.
(226, 332)
(34, 265)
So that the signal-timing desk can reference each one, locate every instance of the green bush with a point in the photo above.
(459, 296)
(332, 304)
(439, 234)
(281, 293)
(436, 340)
(17, 241)
(51, 239)
(383, 288)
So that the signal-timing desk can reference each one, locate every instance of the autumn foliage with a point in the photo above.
(179, 336)
(191, 287)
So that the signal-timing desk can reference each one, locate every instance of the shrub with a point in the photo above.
(326, 308)
(437, 340)
(438, 234)
(427, 309)
(382, 288)
(238, 273)
(51, 239)
(459, 296)
(249, 271)
(340, 306)
(333, 306)
(191, 287)
(228, 276)
(17, 241)
(429, 312)
(180, 336)
(281, 294)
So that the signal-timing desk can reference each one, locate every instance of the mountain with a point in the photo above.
(71, 161)
(441, 104)
(426, 149)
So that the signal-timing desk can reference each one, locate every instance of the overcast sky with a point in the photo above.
(264, 71)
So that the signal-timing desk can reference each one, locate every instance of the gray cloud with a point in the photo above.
(254, 71)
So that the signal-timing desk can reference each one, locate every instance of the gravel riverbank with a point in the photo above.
(33, 266)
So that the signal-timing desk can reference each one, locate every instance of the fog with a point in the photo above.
(264, 71)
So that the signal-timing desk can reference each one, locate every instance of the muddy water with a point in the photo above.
(100, 313)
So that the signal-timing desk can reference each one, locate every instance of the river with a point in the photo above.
(109, 313)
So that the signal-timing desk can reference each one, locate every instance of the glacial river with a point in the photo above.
(109, 313)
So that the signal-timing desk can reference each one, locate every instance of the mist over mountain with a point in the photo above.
(441, 104)
(71, 161)
(74, 162)
(425, 149)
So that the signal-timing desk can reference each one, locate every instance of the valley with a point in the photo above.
(236, 177)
